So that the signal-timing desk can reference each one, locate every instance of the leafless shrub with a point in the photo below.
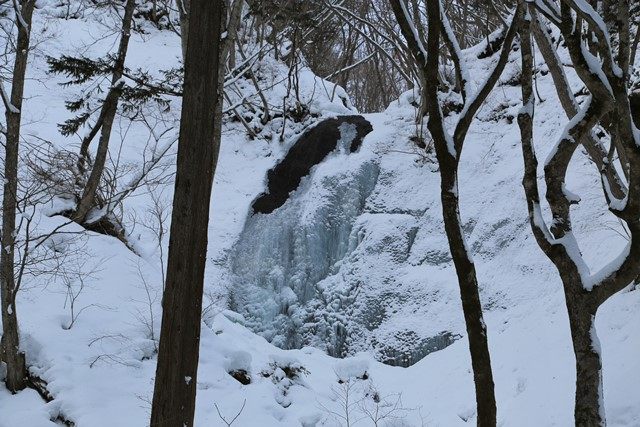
(148, 318)
(358, 399)
(230, 422)
(73, 279)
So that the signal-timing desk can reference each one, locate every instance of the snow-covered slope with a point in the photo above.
(388, 286)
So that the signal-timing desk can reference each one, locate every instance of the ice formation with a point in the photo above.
(329, 266)
(281, 257)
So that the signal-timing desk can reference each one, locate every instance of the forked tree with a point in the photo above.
(176, 375)
(604, 71)
(10, 352)
(104, 123)
(89, 173)
(448, 149)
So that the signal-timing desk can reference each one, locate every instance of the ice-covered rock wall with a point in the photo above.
(343, 132)
(333, 264)
(282, 256)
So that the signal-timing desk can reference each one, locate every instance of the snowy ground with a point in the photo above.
(101, 370)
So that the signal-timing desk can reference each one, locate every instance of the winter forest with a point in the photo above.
(320, 213)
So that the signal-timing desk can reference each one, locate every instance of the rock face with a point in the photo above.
(299, 232)
(634, 100)
(310, 149)
(327, 256)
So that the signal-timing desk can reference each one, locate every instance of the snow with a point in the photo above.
(18, 12)
(7, 102)
(608, 270)
(549, 8)
(352, 368)
(596, 68)
(566, 137)
(387, 278)
(614, 202)
(572, 197)
(595, 18)
(446, 25)
(409, 21)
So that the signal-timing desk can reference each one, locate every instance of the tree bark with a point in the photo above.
(469, 294)
(594, 148)
(176, 374)
(183, 10)
(448, 150)
(10, 351)
(589, 408)
(108, 114)
(584, 292)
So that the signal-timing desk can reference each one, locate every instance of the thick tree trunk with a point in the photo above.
(10, 346)
(581, 305)
(176, 374)
(108, 114)
(589, 409)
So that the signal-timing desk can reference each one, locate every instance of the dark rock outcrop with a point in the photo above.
(634, 100)
(310, 149)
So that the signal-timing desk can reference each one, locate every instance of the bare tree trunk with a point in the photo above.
(465, 268)
(588, 403)
(584, 291)
(183, 10)
(594, 148)
(108, 114)
(448, 151)
(469, 294)
(235, 17)
(10, 346)
(176, 374)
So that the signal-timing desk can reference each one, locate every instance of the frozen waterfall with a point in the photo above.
(282, 256)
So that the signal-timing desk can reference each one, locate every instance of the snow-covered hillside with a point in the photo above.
(355, 263)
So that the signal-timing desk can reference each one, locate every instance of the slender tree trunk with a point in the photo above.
(235, 17)
(183, 10)
(448, 151)
(108, 114)
(10, 346)
(448, 157)
(176, 374)
(469, 294)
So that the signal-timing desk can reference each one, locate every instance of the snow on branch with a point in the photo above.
(566, 137)
(409, 31)
(7, 102)
(597, 24)
(475, 102)
(549, 10)
(351, 67)
(19, 17)
(456, 53)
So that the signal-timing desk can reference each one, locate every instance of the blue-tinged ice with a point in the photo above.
(281, 257)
